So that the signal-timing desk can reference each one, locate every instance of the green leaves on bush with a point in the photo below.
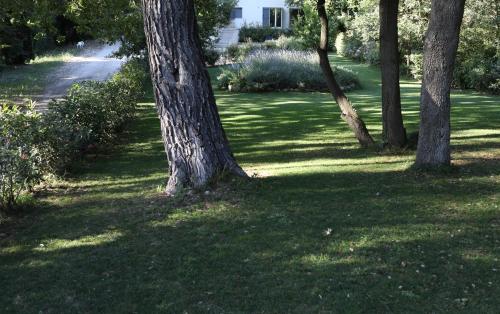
(21, 160)
(211, 56)
(260, 34)
(269, 70)
(93, 113)
(354, 48)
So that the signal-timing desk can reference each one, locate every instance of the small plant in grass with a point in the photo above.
(268, 70)
(21, 161)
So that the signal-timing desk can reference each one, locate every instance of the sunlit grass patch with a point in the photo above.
(91, 240)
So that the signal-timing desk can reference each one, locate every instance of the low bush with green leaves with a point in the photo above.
(211, 56)
(261, 33)
(271, 70)
(92, 113)
(21, 160)
(33, 145)
(414, 65)
(481, 74)
(354, 48)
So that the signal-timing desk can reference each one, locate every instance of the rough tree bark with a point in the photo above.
(440, 50)
(348, 113)
(394, 133)
(194, 140)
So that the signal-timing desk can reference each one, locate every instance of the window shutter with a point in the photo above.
(236, 13)
(266, 14)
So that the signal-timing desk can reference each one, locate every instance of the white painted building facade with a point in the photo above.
(273, 13)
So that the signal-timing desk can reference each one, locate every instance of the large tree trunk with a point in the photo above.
(349, 114)
(393, 129)
(195, 142)
(440, 50)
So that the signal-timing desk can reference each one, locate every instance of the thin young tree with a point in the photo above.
(193, 136)
(348, 113)
(394, 133)
(440, 50)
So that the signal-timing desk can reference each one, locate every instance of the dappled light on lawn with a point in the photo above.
(323, 226)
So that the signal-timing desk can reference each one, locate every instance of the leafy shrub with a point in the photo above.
(415, 65)
(21, 163)
(92, 113)
(354, 48)
(371, 53)
(211, 56)
(261, 33)
(268, 70)
(238, 52)
(348, 46)
(290, 43)
(230, 79)
(233, 52)
(482, 74)
(308, 27)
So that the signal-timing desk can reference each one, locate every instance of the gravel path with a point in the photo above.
(95, 63)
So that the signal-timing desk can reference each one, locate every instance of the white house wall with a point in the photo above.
(253, 11)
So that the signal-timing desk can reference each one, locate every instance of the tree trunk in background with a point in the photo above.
(440, 50)
(393, 129)
(195, 142)
(349, 114)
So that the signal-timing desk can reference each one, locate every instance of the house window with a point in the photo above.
(236, 13)
(276, 17)
(295, 15)
(273, 17)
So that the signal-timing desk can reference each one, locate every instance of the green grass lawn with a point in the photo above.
(25, 82)
(324, 226)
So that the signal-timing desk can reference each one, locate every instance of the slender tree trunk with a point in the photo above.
(349, 114)
(440, 50)
(195, 142)
(393, 129)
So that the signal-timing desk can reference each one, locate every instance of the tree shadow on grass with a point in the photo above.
(326, 241)
(399, 241)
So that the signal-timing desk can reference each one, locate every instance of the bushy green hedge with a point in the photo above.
(211, 55)
(270, 70)
(356, 49)
(93, 113)
(261, 33)
(21, 158)
(481, 74)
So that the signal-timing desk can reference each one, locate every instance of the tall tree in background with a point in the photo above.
(440, 50)
(349, 114)
(195, 142)
(392, 119)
